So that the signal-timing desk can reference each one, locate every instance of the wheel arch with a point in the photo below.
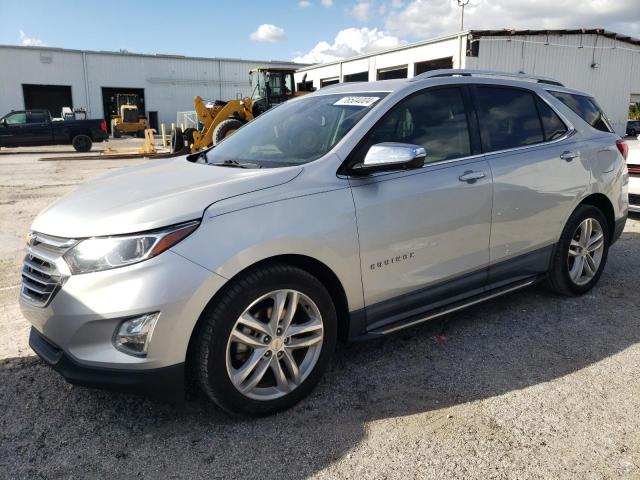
(602, 203)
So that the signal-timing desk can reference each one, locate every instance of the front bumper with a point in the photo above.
(166, 383)
(83, 315)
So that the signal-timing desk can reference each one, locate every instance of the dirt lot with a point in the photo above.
(527, 386)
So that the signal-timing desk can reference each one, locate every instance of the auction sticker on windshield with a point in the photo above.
(357, 101)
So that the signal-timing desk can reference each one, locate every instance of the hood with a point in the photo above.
(151, 195)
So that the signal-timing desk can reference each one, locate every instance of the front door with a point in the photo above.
(424, 233)
(12, 129)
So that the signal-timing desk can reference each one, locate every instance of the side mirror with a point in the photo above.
(3, 122)
(390, 156)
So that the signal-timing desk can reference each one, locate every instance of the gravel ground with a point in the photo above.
(530, 385)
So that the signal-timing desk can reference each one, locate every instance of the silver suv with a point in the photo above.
(352, 212)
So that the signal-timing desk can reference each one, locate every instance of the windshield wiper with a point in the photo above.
(235, 164)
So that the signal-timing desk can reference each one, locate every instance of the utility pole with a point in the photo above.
(462, 3)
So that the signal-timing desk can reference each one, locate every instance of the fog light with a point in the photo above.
(133, 335)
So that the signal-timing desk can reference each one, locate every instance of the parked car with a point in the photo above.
(353, 212)
(633, 127)
(34, 127)
(633, 164)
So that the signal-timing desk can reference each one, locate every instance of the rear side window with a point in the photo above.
(37, 117)
(508, 118)
(552, 126)
(586, 108)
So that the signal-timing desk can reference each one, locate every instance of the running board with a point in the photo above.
(450, 308)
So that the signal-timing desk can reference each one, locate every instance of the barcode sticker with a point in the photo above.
(357, 101)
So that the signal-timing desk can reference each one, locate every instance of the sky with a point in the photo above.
(307, 31)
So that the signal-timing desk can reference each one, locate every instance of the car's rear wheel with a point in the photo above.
(82, 143)
(581, 253)
(265, 341)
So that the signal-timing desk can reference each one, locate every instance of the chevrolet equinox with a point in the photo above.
(351, 212)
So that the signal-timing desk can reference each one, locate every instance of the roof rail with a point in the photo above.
(450, 72)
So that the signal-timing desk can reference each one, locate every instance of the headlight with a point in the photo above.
(103, 253)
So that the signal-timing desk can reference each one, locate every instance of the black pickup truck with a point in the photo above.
(35, 127)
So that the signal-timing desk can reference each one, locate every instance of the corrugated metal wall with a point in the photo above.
(169, 83)
(568, 58)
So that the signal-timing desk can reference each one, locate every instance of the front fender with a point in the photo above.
(321, 225)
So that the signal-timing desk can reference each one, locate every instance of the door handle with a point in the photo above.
(471, 176)
(568, 155)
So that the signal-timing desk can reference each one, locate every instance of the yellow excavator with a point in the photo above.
(217, 121)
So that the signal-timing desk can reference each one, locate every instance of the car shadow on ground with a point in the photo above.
(53, 429)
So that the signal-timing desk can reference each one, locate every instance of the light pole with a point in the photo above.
(462, 3)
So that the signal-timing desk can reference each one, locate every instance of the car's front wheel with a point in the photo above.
(581, 253)
(265, 341)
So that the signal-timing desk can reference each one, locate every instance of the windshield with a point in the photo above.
(296, 132)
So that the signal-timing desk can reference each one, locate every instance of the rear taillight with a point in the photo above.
(623, 148)
(103, 127)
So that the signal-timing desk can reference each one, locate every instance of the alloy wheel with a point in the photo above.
(274, 344)
(585, 251)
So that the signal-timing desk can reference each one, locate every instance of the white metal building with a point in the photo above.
(602, 63)
(40, 77)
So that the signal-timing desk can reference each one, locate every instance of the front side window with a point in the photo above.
(295, 132)
(19, 118)
(586, 108)
(508, 118)
(435, 119)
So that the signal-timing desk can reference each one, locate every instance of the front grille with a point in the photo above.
(41, 276)
(634, 199)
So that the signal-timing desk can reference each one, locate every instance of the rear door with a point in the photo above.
(424, 233)
(538, 173)
(39, 127)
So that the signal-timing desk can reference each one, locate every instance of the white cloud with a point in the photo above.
(304, 3)
(350, 42)
(30, 41)
(326, 3)
(268, 33)
(429, 18)
(360, 11)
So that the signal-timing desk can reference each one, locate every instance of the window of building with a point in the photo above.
(357, 77)
(328, 81)
(400, 71)
(438, 63)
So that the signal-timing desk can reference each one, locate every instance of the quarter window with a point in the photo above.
(586, 108)
(508, 118)
(435, 119)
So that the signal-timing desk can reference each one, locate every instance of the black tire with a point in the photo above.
(225, 128)
(633, 132)
(177, 141)
(82, 143)
(116, 132)
(559, 279)
(209, 345)
(188, 136)
(140, 134)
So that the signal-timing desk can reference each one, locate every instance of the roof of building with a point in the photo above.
(486, 33)
(150, 55)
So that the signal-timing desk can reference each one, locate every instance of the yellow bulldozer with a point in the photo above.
(127, 119)
(220, 119)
